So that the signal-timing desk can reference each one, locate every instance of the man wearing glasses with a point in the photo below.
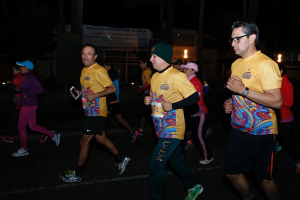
(255, 84)
(95, 86)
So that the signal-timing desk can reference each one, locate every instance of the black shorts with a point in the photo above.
(114, 108)
(95, 125)
(246, 152)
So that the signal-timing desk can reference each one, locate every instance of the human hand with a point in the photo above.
(166, 105)
(147, 100)
(228, 106)
(24, 96)
(8, 82)
(17, 89)
(235, 84)
(90, 96)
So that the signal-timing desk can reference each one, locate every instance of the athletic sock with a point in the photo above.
(119, 157)
(78, 171)
(249, 197)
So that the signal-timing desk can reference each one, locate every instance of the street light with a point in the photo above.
(185, 53)
(279, 58)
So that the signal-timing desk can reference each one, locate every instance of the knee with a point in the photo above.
(232, 177)
(101, 139)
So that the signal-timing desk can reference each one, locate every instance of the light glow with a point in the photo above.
(279, 58)
(185, 53)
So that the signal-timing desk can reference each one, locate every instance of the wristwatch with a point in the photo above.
(245, 92)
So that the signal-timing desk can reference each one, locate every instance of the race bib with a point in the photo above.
(157, 110)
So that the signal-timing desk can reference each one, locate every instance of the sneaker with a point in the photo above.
(123, 165)
(298, 167)
(141, 131)
(278, 147)
(194, 192)
(70, 177)
(56, 139)
(7, 139)
(205, 162)
(189, 145)
(133, 136)
(43, 138)
(20, 152)
(208, 132)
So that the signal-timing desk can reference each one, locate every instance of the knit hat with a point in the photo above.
(164, 51)
(190, 65)
(27, 64)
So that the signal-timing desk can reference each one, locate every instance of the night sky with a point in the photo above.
(218, 15)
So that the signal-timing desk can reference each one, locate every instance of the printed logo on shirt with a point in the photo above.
(164, 86)
(247, 74)
(87, 78)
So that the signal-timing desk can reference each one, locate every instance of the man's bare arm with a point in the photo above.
(109, 89)
(270, 98)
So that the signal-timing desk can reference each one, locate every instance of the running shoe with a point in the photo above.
(43, 138)
(189, 145)
(70, 177)
(141, 131)
(208, 132)
(194, 192)
(133, 136)
(278, 147)
(56, 139)
(7, 139)
(20, 152)
(123, 165)
(205, 161)
(298, 167)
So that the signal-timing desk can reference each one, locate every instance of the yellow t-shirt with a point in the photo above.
(146, 78)
(258, 72)
(93, 80)
(172, 85)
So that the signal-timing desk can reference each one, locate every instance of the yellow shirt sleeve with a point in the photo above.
(263, 72)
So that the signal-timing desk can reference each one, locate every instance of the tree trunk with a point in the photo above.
(79, 18)
(200, 41)
(245, 9)
(5, 22)
(73, 16)
(162, 19)
(61, 16)
(252, 10)
(170, 22)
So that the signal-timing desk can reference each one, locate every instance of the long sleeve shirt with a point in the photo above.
(287, 91)
(30, 87)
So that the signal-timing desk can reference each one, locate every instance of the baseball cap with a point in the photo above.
(27, 64)
(190, 65)
(177, 62)
(163, 50)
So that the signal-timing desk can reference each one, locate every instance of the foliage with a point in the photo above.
(68, 59)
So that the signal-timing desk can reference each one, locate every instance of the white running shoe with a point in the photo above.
(20, 152)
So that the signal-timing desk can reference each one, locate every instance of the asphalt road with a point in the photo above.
(36, 176)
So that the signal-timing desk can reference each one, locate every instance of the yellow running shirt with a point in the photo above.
(172, 85)
(93, 80)
(258, 72)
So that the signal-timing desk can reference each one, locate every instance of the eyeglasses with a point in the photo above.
(87, 54)
(237, 39)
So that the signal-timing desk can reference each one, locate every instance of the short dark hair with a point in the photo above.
(90, 45)
(108, 63)
(248, 26)
(145, 60)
